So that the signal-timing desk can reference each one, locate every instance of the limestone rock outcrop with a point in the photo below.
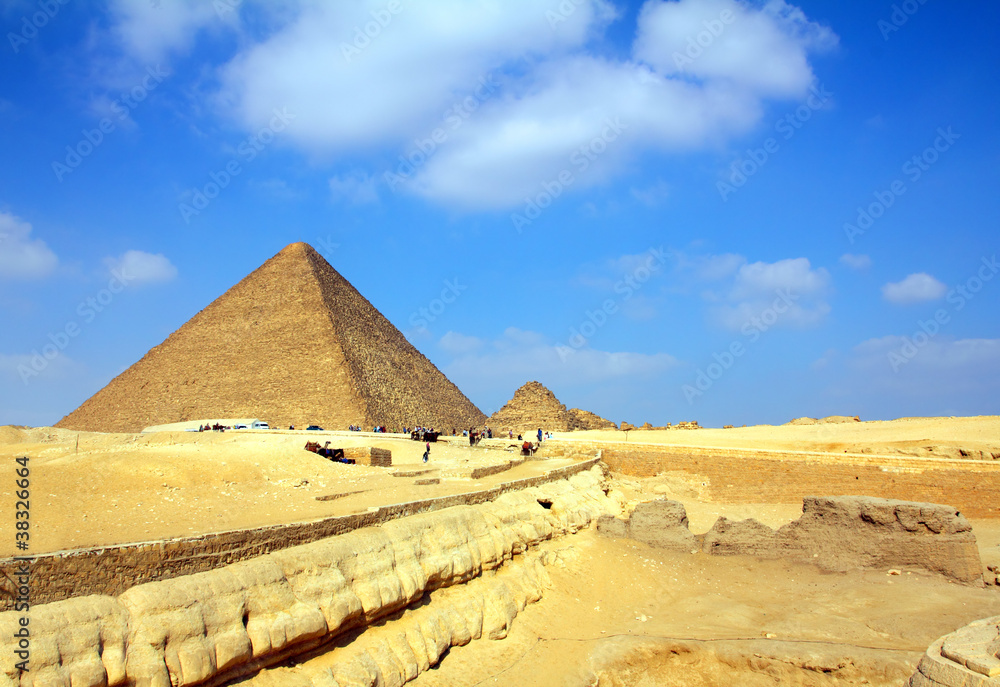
(661, 523)
(397, 652)
(232, 621)
(858, 532)
(965, 658)
(293, 343)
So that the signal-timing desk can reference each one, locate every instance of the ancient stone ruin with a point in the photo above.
(965, 658)
(836, 533)
(238, 620)
(294, 344)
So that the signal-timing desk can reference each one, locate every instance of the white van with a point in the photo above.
(259, 425)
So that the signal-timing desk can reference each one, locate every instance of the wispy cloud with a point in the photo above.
(139, 267)
(21, 256)
(916, 288)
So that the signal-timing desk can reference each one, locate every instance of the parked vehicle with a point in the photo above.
(315, 428)
(259, 425)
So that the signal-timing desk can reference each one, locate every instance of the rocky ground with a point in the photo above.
(619, 612)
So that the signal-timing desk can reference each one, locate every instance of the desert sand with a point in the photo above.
(120, 488)
(946, 437)
(617, 612)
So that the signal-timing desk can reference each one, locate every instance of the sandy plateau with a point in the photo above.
(613, 611)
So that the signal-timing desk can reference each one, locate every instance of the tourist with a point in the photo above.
(539, 436)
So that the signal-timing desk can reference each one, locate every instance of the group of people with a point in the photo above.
(378, 429)
(476, 435)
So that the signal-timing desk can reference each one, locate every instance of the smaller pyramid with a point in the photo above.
(534, 407)
(584, 419)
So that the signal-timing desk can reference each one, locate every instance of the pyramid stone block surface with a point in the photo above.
(294, 344)
(534, 406)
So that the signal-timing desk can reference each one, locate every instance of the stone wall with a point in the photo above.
(369, 455)
(841, 533)
(227, 624)
(835, 533)
(742, 476)
(114, 569)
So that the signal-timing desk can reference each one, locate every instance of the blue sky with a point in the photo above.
(723, 211)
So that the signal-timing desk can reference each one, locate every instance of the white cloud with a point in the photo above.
(856, 262)
(712, 267)
(356, 187)
(26, 368)
(916, 288)
(150, 31)
(628, 279)
(555, 96)
(138, 267)
(792, 288)
(395, 87)
(936, 353)
(460, 344)
(763, 279)
(22, 257)
(761, 50)
(277, 189)
(653, 195)
(521, 354)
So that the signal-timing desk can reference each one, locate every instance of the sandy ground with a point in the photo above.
(979, 437)
(622, 613)
(619, 612)
(707, 620)
(92, 489)
(118, 488)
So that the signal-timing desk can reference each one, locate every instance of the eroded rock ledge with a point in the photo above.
(969, 657)
(836, 533)
(217, 626)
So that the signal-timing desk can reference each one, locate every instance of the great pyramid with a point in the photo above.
(292, 344)
(534, 406)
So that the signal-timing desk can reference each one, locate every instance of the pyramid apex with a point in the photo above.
(297, 247)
